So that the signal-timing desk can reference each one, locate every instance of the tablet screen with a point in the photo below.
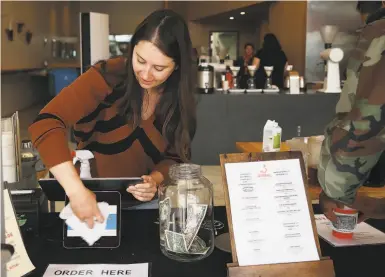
(111, 234)
(111, 224)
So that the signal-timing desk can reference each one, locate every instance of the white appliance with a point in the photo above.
(94, 38)
(328, 34)
(333, 56)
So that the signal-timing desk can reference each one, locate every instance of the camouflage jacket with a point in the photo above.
(355, 139)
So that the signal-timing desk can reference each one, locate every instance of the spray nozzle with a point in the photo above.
(83, 156)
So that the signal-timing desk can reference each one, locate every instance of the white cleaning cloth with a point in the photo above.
(81, 228)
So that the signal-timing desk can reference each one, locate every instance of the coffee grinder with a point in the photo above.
(332, 57)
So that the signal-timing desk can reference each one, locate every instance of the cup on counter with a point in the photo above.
(346, 222)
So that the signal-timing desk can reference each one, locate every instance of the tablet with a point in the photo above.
(111, 236)
(55, 192)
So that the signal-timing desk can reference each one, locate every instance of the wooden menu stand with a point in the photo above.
(322, 268)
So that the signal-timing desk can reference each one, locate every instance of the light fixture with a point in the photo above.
(231, 17)
(242, 13)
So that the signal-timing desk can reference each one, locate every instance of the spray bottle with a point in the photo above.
(83, 156)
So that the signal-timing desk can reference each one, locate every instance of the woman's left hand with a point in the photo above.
(145, 191)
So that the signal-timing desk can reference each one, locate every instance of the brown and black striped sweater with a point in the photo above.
(90, 106)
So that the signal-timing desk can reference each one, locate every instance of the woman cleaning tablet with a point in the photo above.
(137, 115)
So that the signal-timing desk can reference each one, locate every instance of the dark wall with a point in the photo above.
(21, 90)
(226, 119)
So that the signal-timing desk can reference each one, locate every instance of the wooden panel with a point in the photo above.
(250, 147)
(320, 268)
(43, 19)
(287, 20)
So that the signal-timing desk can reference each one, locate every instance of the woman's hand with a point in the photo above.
(328, 206)
(84, 206)
(146, 191)
(82, 200)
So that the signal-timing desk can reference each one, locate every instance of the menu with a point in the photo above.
(20, 264)
(270, 214)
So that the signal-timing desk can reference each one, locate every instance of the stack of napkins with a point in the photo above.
(81, 228)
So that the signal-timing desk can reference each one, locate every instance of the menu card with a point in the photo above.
(270, 213)
(20, 264)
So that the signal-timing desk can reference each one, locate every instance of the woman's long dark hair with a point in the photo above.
(177, 108)
(271, 43)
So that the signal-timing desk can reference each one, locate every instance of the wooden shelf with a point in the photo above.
(69, 64)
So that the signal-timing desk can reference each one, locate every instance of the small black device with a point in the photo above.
(28, 205)
(55, 192)
(27, 209)
(112, 234)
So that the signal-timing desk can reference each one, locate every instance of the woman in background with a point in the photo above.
(271, 54)
(137, 115)
(247, 59)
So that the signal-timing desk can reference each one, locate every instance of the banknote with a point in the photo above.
(164, 216)
(195, 215)
(176, 242)
(198, 247)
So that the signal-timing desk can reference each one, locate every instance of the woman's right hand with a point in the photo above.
(82, 200)
(84, 206)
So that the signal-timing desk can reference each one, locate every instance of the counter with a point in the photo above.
(223, 119)
(140, 244)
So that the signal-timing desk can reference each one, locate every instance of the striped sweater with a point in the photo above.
(90, 106)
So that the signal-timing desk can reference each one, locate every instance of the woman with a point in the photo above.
(137, 116)
(244, 61)
(271, 54)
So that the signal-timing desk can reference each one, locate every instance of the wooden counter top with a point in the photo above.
(255, 147)
(250, 147)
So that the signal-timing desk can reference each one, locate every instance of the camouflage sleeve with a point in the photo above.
(353, 144)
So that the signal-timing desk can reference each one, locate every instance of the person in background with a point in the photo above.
(247, 59)
(352, 154)
(271, 54)
(137, 115)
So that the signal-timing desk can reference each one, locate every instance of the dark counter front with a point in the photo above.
(140, 244)
(223, 119)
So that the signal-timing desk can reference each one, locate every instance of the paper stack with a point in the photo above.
(81, 228)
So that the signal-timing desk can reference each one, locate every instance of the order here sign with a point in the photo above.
(91, 270)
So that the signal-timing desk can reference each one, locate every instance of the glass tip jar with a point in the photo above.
(186, 215)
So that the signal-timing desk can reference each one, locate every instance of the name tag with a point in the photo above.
(137, 270)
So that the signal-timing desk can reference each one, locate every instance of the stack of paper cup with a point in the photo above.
(8, 152)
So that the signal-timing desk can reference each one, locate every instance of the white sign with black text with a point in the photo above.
(97, 270)
(270, 213)
(20, 264)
